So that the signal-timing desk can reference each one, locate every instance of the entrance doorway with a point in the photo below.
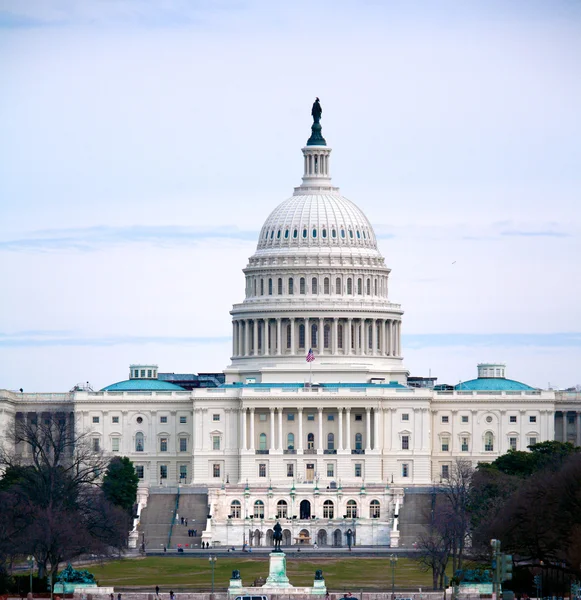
(305, 510)
(310, 473)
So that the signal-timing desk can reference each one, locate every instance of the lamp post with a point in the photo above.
(212, 560)
(393, 561)
(31, 566)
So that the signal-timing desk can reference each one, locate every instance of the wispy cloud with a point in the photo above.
(507, 340)
(98, 237)
(546, 233)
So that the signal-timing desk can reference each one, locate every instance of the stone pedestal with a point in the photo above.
(319, 587)
(277, 575)
(394, 538)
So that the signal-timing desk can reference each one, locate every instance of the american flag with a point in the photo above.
(310, 355)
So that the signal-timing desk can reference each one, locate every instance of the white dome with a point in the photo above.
(317, 220)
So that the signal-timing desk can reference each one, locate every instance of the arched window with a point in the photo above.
(326, 286)
(291, 284)
(286, 234)
(328, 509)
(342, 233)
(314, 233)
(281, 509)
(358, 441)
(489, 442)
(338, 289)
(272, 234)
(288, 336)
(280, 286)
(262, 287)
(360, 286)
(368, 292)
(139, 442)
(351, 233)
(314, 336)
(324, 233)
(375, 286)
(255, 287)
(290, 441)
(311, 441)
(330, 441)
(301, 335)
(340, 336)
(349, 286)
(374, 509)
(270, 287)
(259, 509)
(304, 233)
(358, 234)
(235, 509)
(327, 335)
(262, 441)
(314, 286)
(333, 233)
(302, 285)
(278, 235)
(295, 234)
(351, 509)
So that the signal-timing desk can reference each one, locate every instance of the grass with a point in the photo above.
(196, 573)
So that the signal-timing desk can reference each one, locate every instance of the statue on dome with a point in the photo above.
(316, 111)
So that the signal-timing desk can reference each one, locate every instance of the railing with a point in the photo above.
(173, 518)
(262, 451)
(310, 451)
(328, 451)
(289, 451)
(358, 451)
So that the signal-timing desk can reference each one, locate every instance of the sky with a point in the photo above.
(144, 142)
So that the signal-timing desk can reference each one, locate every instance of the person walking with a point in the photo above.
(119, 596)
(171, 595)
(157, 591)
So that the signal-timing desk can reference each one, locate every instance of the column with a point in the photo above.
(279, 336)
(335, 337)
(272, 446)
(384, 337)
(307, 335)
(347, 337)
(234, 338)
(374, 337)
(240, 338)
(292, 326)
(367, 428)
(320, 444)
(300, 440)
(398, 338)
(246, 335)
(365, 326)
(255, 332)
(392, 337)
(252, 429)
(265, 336)
(340, 446)
(244, 435)
(579, 428)
(348, 432)
(376, 418)
(280, 440)
(321, 340)
(564, 413)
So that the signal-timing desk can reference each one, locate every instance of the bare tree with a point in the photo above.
(435, 544)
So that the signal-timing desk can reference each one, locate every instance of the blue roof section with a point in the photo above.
(493, 384)
(143, 385)
(294, 386)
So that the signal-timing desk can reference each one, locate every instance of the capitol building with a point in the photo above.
(333, 446)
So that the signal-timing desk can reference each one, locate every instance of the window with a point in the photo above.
(314, 230)
(368, 290)
(183, 444)
(571, 419)
(286, 232)
(215, 442)
(532, 441)
(330, 470)
(351, 509)
(115, 419)
(513, 418)
(259, 508)
(290, 441)
(163, 419)
(512, 443)
(405, 417)
(281, 509)
(163, 444)
(310, 417)
(328, 509)
(216, 470)
(532, 419)
(359, 287)
(139, 420)
(359, 417)
(290, 470)
(405, 442)
(95, 419)
(349, 286)
(405, 470)
(115, 444)
(262, 470)
(163, 471)
(183, 420)
(333, 233)
(374, 509)
(314, 335)
(295, 234)
(149, 372)
(302, 285)
(326, 286)
(445, 419)
(139, 442)
(290, 417)
(330, 441)
(290, 286)
(235, 508)
(262, 417)
(139, 471)
(464, 418)
(324, 233)
(357, 469)
(304, 233)
(215, 417)
(338, 285)
(269, 286)
(445, 471)
(464, 444)
(301, 336)
(96, 445)
(340, 336)
(488, 442)
(445, 444)
(314, 286)
(279, 286)
(142, 372)
(311, 441)
(262, 287)
(358, 441)
(183, 472)
(342, 233)
(374, 281)
(262, 441)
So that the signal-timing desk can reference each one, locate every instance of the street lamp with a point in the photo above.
(393, 561)
(31, 566)
(212, 560)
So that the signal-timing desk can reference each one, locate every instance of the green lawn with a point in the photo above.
(195, 573)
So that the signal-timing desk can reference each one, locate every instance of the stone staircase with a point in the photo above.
(156, 518)
(193, 505)
(414, 515)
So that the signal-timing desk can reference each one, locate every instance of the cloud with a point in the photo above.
(546, 233)
(506, 340)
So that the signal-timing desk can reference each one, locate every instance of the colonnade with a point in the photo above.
(576, 422)
(332, 336)
(320, 444)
